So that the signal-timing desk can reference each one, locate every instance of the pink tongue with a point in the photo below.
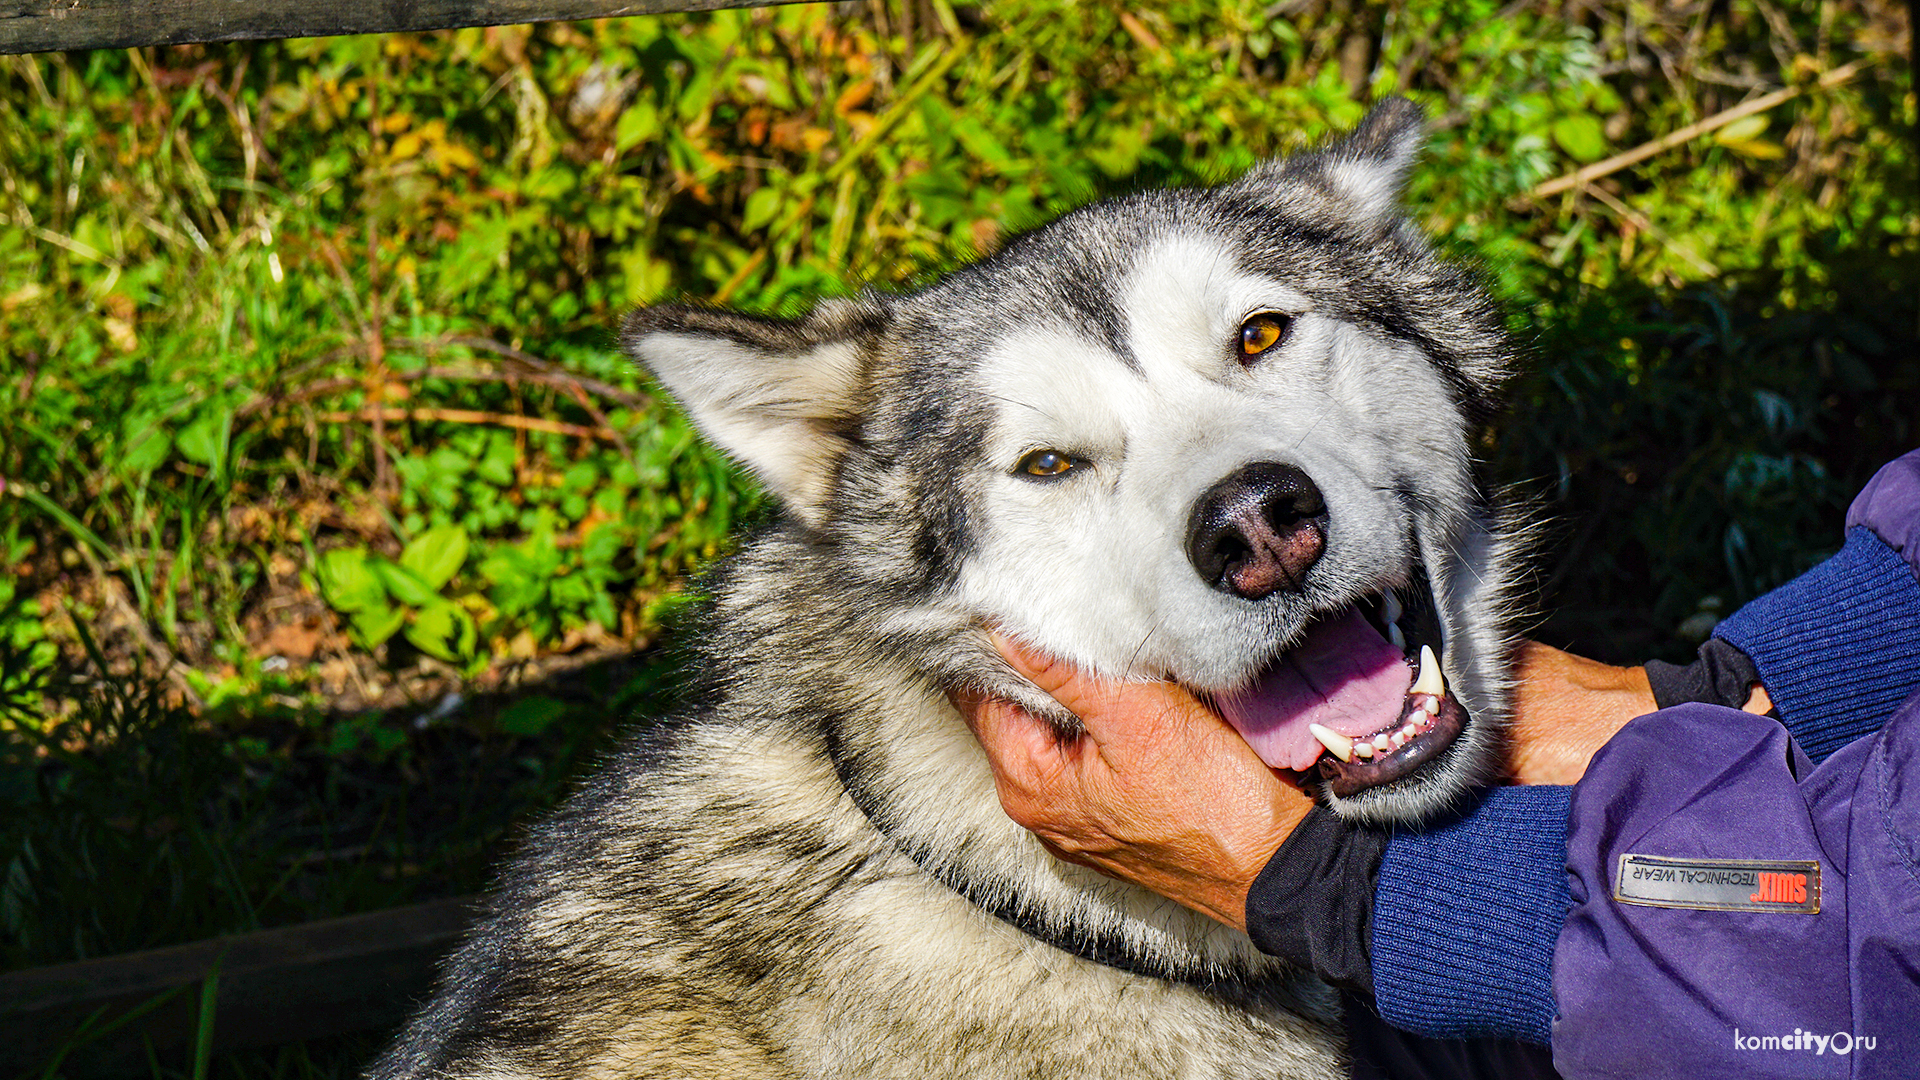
(1343, 675)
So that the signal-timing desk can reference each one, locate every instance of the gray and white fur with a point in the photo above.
(806, 872)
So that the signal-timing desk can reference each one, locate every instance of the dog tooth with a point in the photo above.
(1396, 638)
(1430, 680)
(1340, 745)
(1389, 608)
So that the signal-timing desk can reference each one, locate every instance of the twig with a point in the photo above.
(1718, 120)
(326, 387)
(1138, 31)
(470, 416)
(533, 363)
(1645, 224)
(740, 276)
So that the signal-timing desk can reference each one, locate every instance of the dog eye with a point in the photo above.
(1046, 464)
(1262, 332)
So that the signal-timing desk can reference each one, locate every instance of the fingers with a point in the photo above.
(1109, 709)
(1028, 758)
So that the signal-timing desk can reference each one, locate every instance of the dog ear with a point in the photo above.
(779, 395)
(1369, 167)
(1360, 176)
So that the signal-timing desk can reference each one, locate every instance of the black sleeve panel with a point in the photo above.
(1723, 675)
(1313, 903)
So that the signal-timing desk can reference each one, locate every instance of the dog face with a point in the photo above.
(1217, 436)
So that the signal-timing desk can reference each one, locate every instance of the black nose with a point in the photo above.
(1258, 530)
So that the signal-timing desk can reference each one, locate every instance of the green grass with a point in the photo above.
(311, 394)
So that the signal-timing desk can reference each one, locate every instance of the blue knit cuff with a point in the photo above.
(1839, 646)
(1465, 917)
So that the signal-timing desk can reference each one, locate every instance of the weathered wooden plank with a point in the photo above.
(57, 25)
(278, 986)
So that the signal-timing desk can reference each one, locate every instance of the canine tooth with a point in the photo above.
(1430, 680)
(1394, 636)
(1389, 608)
(1341, 746)
(1363, 750)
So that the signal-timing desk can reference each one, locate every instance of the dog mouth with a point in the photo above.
(1360, 698)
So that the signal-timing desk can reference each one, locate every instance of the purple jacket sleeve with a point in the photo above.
(1839, 650)
(1669, 965)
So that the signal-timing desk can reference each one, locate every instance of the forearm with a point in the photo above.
(1452, 930)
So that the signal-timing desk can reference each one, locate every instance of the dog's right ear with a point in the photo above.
(1357, 179)
(779, 395)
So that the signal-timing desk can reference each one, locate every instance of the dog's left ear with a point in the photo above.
(1361, 176)
(778, 395)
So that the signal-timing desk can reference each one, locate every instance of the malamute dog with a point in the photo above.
(1215, 435)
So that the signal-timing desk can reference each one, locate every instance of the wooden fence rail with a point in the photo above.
(310, 981)
(57, 25)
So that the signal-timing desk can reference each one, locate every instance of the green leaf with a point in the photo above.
(348, 583)
(376, 624)
(147, 446)
(981, 144)
(496, 465)
(436, 555)
(530, 715)
(443, 630)
(639, 123)
(1745, 129)
(760, 208)
(404, 585)
(1581, 137)
(204, 442)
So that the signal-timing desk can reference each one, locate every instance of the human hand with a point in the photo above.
(1163, 793)
(1566, 707)
(1158, 791)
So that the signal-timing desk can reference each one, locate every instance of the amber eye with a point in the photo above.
(1262, 332)
(1045, 463)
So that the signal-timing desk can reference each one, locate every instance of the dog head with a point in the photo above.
(1213, 435)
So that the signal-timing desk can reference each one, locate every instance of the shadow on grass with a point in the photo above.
(131, 823)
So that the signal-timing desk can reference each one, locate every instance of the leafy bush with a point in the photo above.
(274, 300)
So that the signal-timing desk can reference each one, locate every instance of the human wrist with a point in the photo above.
(1566, 707)
(1312, 904)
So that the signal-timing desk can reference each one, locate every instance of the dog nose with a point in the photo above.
(1257, 531)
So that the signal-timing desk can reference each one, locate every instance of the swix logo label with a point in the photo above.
(1786, 886)
(1780, 889)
